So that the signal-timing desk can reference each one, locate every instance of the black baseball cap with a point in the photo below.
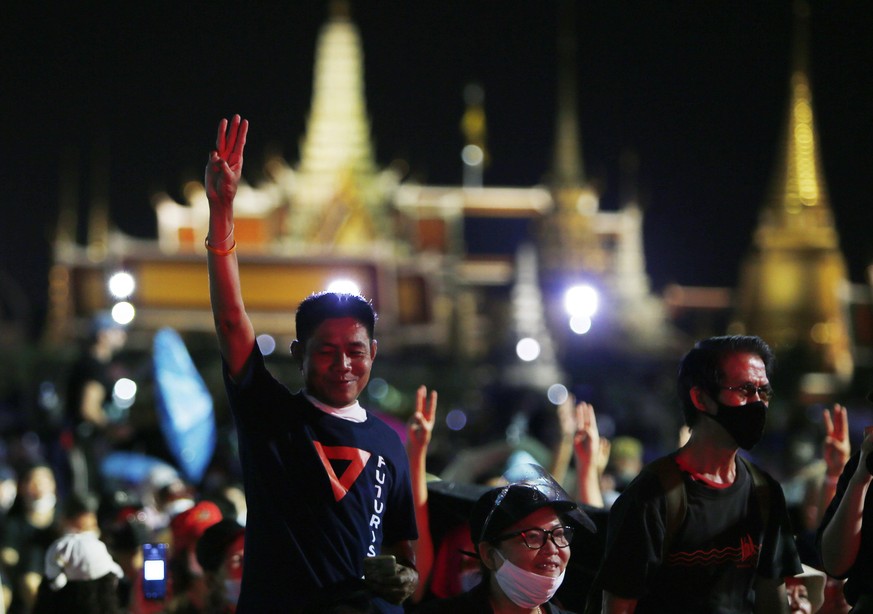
(533, 488)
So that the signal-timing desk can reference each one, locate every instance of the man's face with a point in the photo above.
(741, 369)
(336, 361)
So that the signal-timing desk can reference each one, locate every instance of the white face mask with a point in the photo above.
(524, 588)
(45, 503)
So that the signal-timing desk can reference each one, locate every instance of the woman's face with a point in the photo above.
(546, 561)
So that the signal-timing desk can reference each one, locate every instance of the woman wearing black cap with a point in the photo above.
(522, 534)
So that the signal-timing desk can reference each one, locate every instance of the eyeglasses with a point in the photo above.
(535, 538)
(749, 390)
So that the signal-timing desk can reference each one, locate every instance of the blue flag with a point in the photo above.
(185, 410)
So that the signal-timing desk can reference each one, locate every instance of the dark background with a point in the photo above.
(697, 90)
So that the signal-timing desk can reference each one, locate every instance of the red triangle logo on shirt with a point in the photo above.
(357, 460)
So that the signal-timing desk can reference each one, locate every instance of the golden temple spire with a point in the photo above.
(474, 126)
(339, 198)
(792, 282)
(98, 217)
(567, 166)
(798, 204)
(567, 240)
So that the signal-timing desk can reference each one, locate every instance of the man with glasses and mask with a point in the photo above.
(702, 529)
(522, 534)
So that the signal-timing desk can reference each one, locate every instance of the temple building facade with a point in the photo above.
(335, 214)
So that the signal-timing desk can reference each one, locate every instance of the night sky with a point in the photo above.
(696, 90)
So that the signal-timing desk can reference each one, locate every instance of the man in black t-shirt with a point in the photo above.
(729, 546)
(327, 483)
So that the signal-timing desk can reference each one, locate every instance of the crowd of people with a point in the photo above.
(340, 515)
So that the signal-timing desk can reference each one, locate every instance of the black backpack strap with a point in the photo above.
(673, 485)
(761, 487)
(761, 490)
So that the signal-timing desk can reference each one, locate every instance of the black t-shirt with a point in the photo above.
(86, 369)
(322, 493)
(714, 555)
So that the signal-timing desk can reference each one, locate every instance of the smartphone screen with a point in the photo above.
(154, 571)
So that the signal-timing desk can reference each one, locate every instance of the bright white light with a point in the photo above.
(266, 343)
(124, 392)
(472, 155)
(344, 286)
(121, 285)
(557, 394)
(123, 312)
(580, 324)
(581, 301)
(528, 349)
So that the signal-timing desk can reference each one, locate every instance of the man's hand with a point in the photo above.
(586, 440)
(420, 427)
(395, 587)
(224, 169)
(837, 448)
(579, 425)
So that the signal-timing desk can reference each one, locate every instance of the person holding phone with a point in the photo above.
(327, 483)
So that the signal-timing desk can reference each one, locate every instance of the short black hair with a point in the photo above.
(212, 546)
(702, 367)
(321, 306)
(78, 504)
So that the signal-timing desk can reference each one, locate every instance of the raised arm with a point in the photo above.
(586, 447)
(236, 335)
(579, 433)
(420, 429)
(841, 538)
(836, 451)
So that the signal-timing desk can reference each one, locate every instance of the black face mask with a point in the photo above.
(745, 423)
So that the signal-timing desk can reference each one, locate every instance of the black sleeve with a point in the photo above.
(842, 486)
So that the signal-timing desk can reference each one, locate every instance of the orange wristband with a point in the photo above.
(219, 252)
